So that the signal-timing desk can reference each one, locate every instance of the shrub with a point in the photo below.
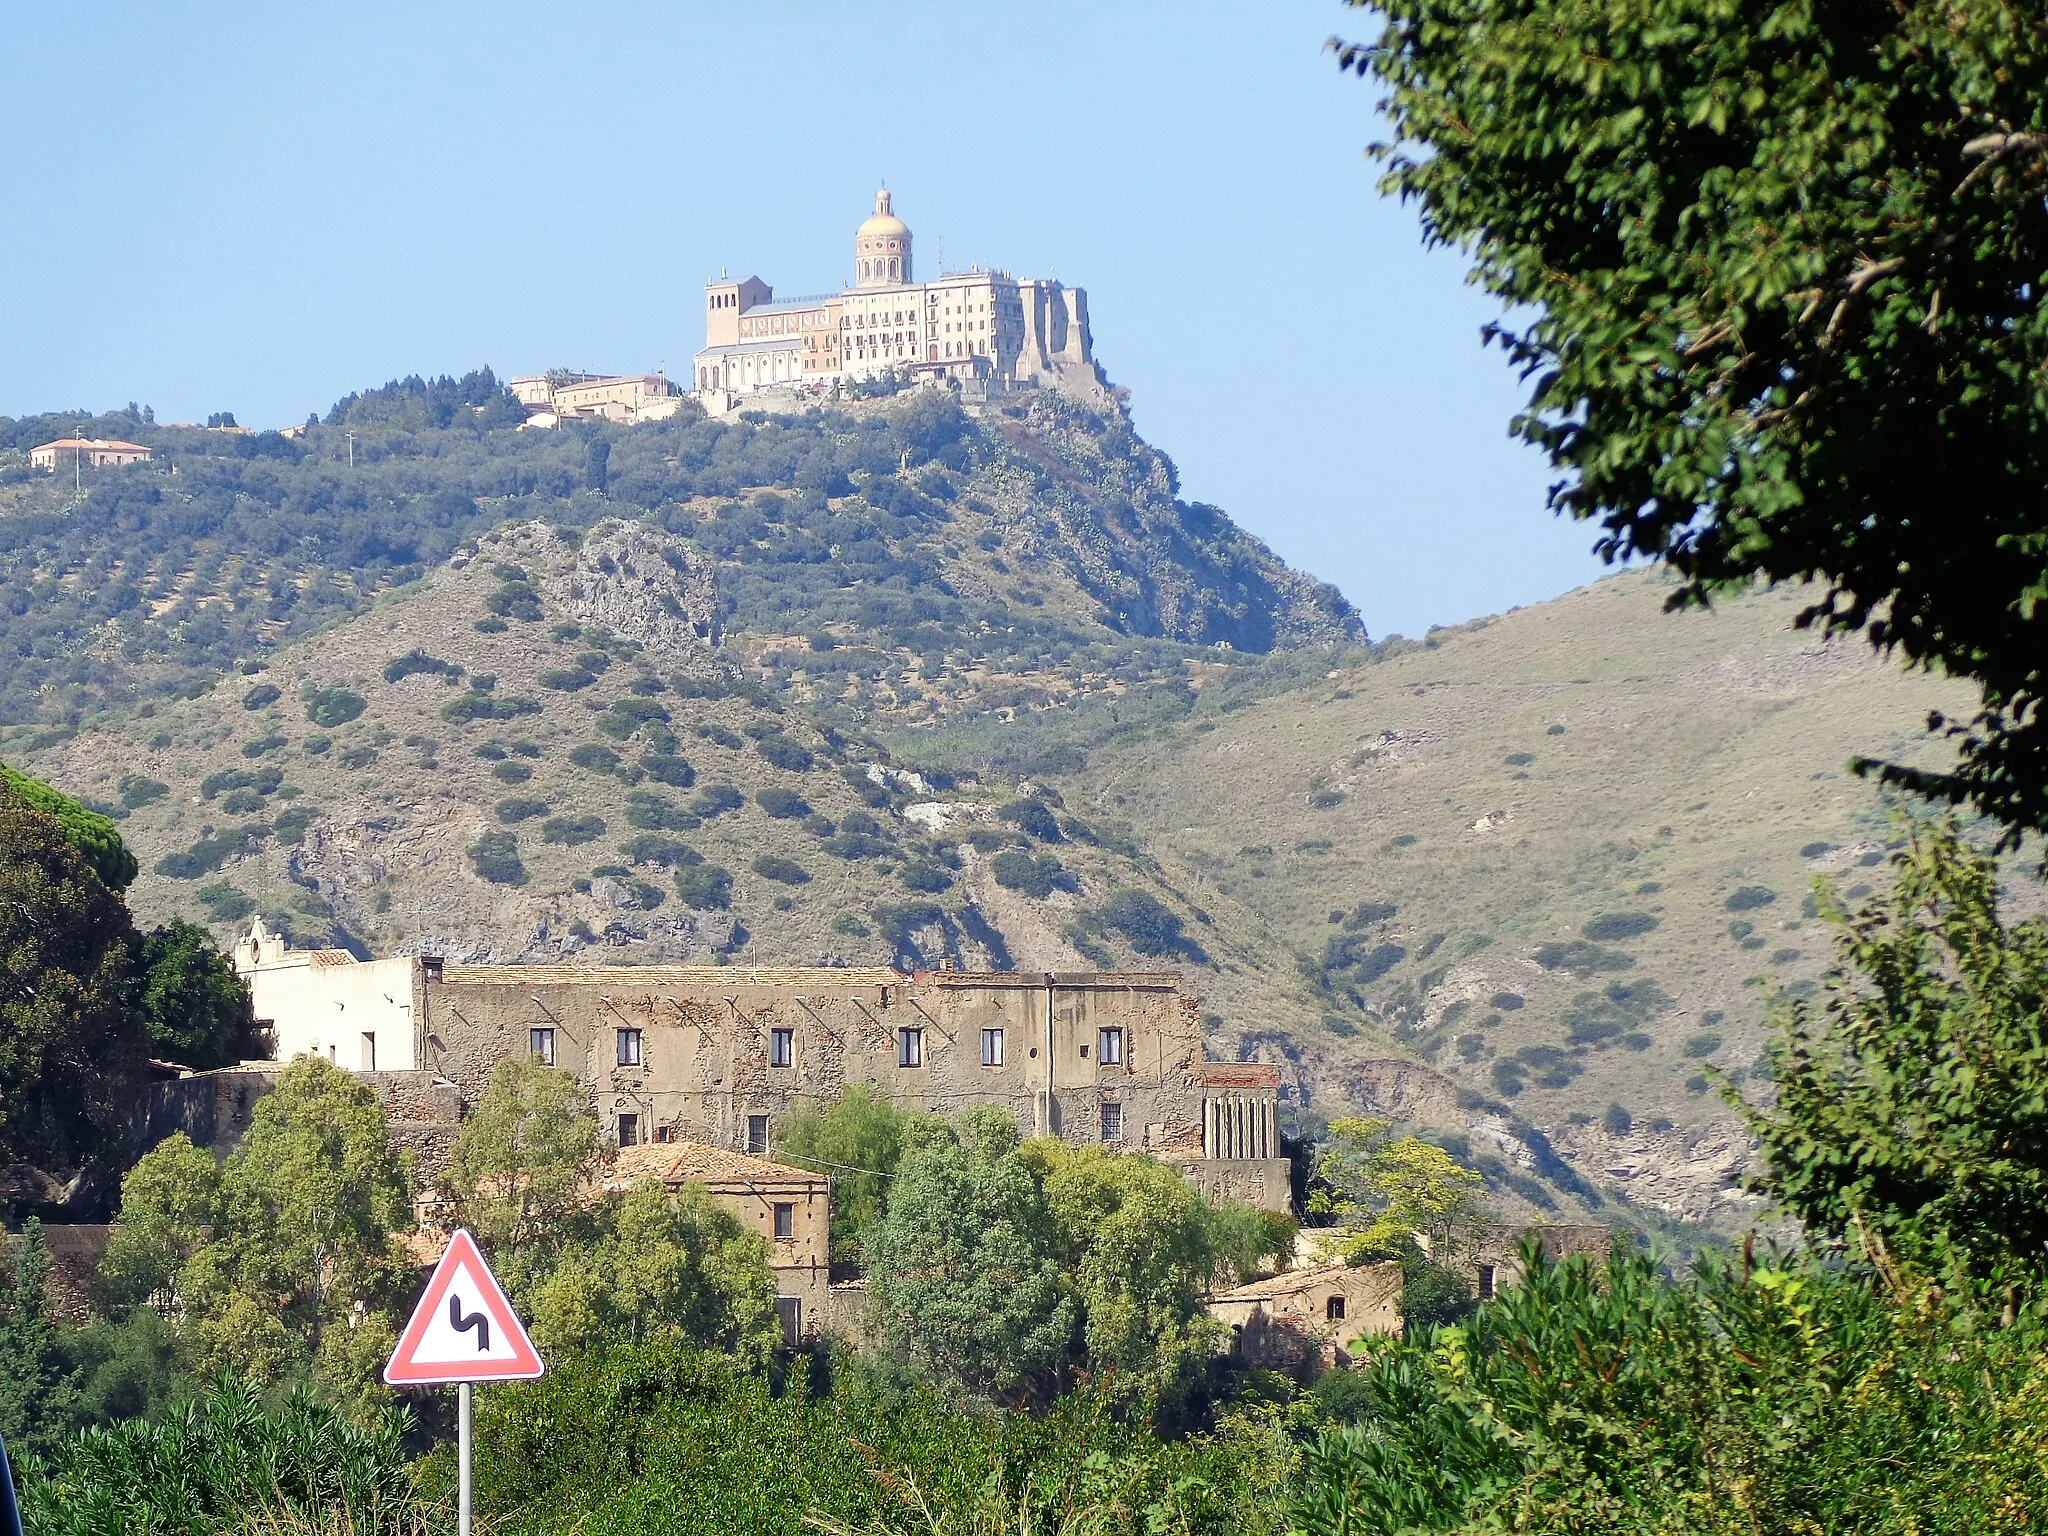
(1325, 799)
(262, 746)
(1036, 877)
(315, 745)
(589, 755)
(515, 600)
(1610, 926)
(136, 791)
(259, 696)
(242, 802)
(263, 781)
(1749, 898)
(1702, 1045)
(1032, 816)
(855, 845)
(652, 811)
(716, 799)
(517, 809)
(1366, 913)
(566, 679)
(869, 791)
(789, 755)
(512, 773)
(478, 704)
(625, 716)
(1617, 1121)
(495, 857)
(1150, 926)
(925, 876)
(1520, 759)
(783, 804)
(1506, 1002)
(290, 827)
(661, 852)
(573, 831)
(667, 768)
(358, 757)
(329, 707)
(413, 662)
(705, 887)
(1815, 850)
(770, 867)
(1581, 958)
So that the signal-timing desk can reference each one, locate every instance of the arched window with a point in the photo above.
(892, 266)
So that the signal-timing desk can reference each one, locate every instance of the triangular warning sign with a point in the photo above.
(463, 1329)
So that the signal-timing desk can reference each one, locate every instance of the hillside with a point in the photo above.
(902, 682)
(1564, 856)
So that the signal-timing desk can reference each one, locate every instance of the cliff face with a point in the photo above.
(1083, 485)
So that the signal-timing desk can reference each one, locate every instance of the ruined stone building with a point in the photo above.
(717, 1054)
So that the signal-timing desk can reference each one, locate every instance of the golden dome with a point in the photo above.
(882, 222)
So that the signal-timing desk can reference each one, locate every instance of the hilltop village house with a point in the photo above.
(94, 452)
(979, 326)
(717, 1054)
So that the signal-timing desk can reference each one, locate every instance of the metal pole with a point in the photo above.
(462, 1501)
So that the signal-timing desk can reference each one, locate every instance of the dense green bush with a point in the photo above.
(772, 867)
(227, 1463)
(332, 706)
(1037, 877)
(706, 887)
(495, 857)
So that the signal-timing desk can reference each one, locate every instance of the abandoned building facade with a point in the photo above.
(718, 1054)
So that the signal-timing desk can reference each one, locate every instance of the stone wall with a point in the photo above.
(75, 1252)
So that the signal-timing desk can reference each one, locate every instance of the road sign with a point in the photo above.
(463, 1329)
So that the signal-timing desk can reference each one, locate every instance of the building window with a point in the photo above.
(757, 1135)
(785, 1221)
(540, 1044)
(369, 1050)
(791, 1310)
(1333, 1309)
(781, 1047)
(665, 1134)
(1486, 1282)
(1110, 1047)
(909, 1047)
(1112, 1122)
(629, 1130)
(991, 1047)
(629, 1047)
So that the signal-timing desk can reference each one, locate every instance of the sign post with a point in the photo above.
(463, 1331)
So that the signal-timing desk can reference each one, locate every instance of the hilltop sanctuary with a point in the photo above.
(978, 326)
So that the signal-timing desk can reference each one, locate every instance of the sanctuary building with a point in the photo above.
(982, 326)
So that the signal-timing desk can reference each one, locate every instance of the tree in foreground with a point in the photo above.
(303, 1268)
(71, 1039)
(1911, 1106)
(595, 1266)
(1775, 272)
(857, 1140)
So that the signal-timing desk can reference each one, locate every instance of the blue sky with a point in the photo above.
(258, 208)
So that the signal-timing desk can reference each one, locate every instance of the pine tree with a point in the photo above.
(34, 1386)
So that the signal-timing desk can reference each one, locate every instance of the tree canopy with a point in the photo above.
(1911, 1105)
(1774, 271)
(71, 1040)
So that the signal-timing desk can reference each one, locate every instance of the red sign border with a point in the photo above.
(402, 1371)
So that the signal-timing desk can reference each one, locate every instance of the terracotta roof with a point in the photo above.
(695, 1162)
(705, 976)
(330, 957)
(92, 442)
(1237, 1074)
(1293, 1282)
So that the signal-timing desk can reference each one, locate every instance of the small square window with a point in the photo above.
(665, 1134)
(1333, 1309)
(629, 1047)
(757, 1135)
(629, 1130)
(991, 1047)
(781, 1047)
(1112, 1122)
(909, 1047)
(785, 1220)
(540, 1044)
(1109, 1047)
